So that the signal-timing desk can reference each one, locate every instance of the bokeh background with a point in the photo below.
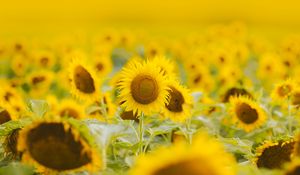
(269, 18)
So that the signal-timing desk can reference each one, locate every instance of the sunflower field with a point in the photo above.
(220, 100)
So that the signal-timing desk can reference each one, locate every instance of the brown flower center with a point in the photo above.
(4, 116)
(188, 167)
(56, 148)
(144, 89)
(246, 113)
(44, 61)
(284, 90)
(128, 115)
(176, 100)
(275, 156)
(70, 112)
(99, 67)
(37, 79)
(83, 80)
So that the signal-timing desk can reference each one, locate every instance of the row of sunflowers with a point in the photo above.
(220, 102)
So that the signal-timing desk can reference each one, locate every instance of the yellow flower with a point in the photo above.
(70, 108)
(7, 113)
(54, 145)
(283, 90)
(143, 88)
(273, 154)
(204, 156)
(179, 106)
(128, 115)
(235, 91)
(103, 65)
(44, 58)
(246, 113)
(40, 82)
(293, 167)
(84, 82)
(166, 65)
(19, 64)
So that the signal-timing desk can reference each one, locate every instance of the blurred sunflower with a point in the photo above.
(40, 82)
(103, 65)
(19, 64)
(143, 88)
(128, 115)
(54, 146)
(179, 106)
(166, 65)
(235, 91)
(273, 154)
(246, 113)
(7, 113)
(283, 90)
(189, 160)
(293, 167)
(44, 58)
(84, 82)
(70, 108)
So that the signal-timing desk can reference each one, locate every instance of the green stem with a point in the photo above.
(141, 133)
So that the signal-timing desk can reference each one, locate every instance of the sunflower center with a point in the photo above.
(284, 90)
(176, 101)
(188, 167)
(69, 112)
(275, 156)
(44, 61)
(144, 89)
(83, 80)
(129, 115)
(99, 66)
(246, 113)
(38, 79)
(56, 148)
(4, 116)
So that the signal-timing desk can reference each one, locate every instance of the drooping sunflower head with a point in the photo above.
(70, 108)
(235, 91)
(246, 113)
(273, 154)
(179, 106)
(84, 82)
(198, 158)
(284, 90)
(143, 88)
(57, 146)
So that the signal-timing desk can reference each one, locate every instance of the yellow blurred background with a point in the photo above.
(33, 17)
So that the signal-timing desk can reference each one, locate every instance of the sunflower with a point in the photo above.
(19, 64)
(198, 158)
(70, 108)
(103, 65)
(283, 90)
(143, 88)
(246, 113)
(55, 145)
(39, 82)
(293, 167)
(44, 58)
(273, 154)
(235, 91)
(84, 82)
(9, 94)
(128, 115)
(7, 113)
(179, 107)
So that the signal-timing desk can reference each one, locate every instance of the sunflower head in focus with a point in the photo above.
(179, 106)
(246, 113)
(143, 88)
(84, 82)
(273, 154)
(209, 158)
(54, 145)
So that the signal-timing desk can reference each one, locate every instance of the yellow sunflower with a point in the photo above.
(283, 90)
(39, 82)
(70, 108)
(246, 113)
(19, 64)
(55, 146)
(235, 91)
(7, 113)
(182, 158)
(273, 154)
(84, 82)
(9, 94)
(44, 58)
(143, 88)
(128, 115)
(179, 106)
(103, 65)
